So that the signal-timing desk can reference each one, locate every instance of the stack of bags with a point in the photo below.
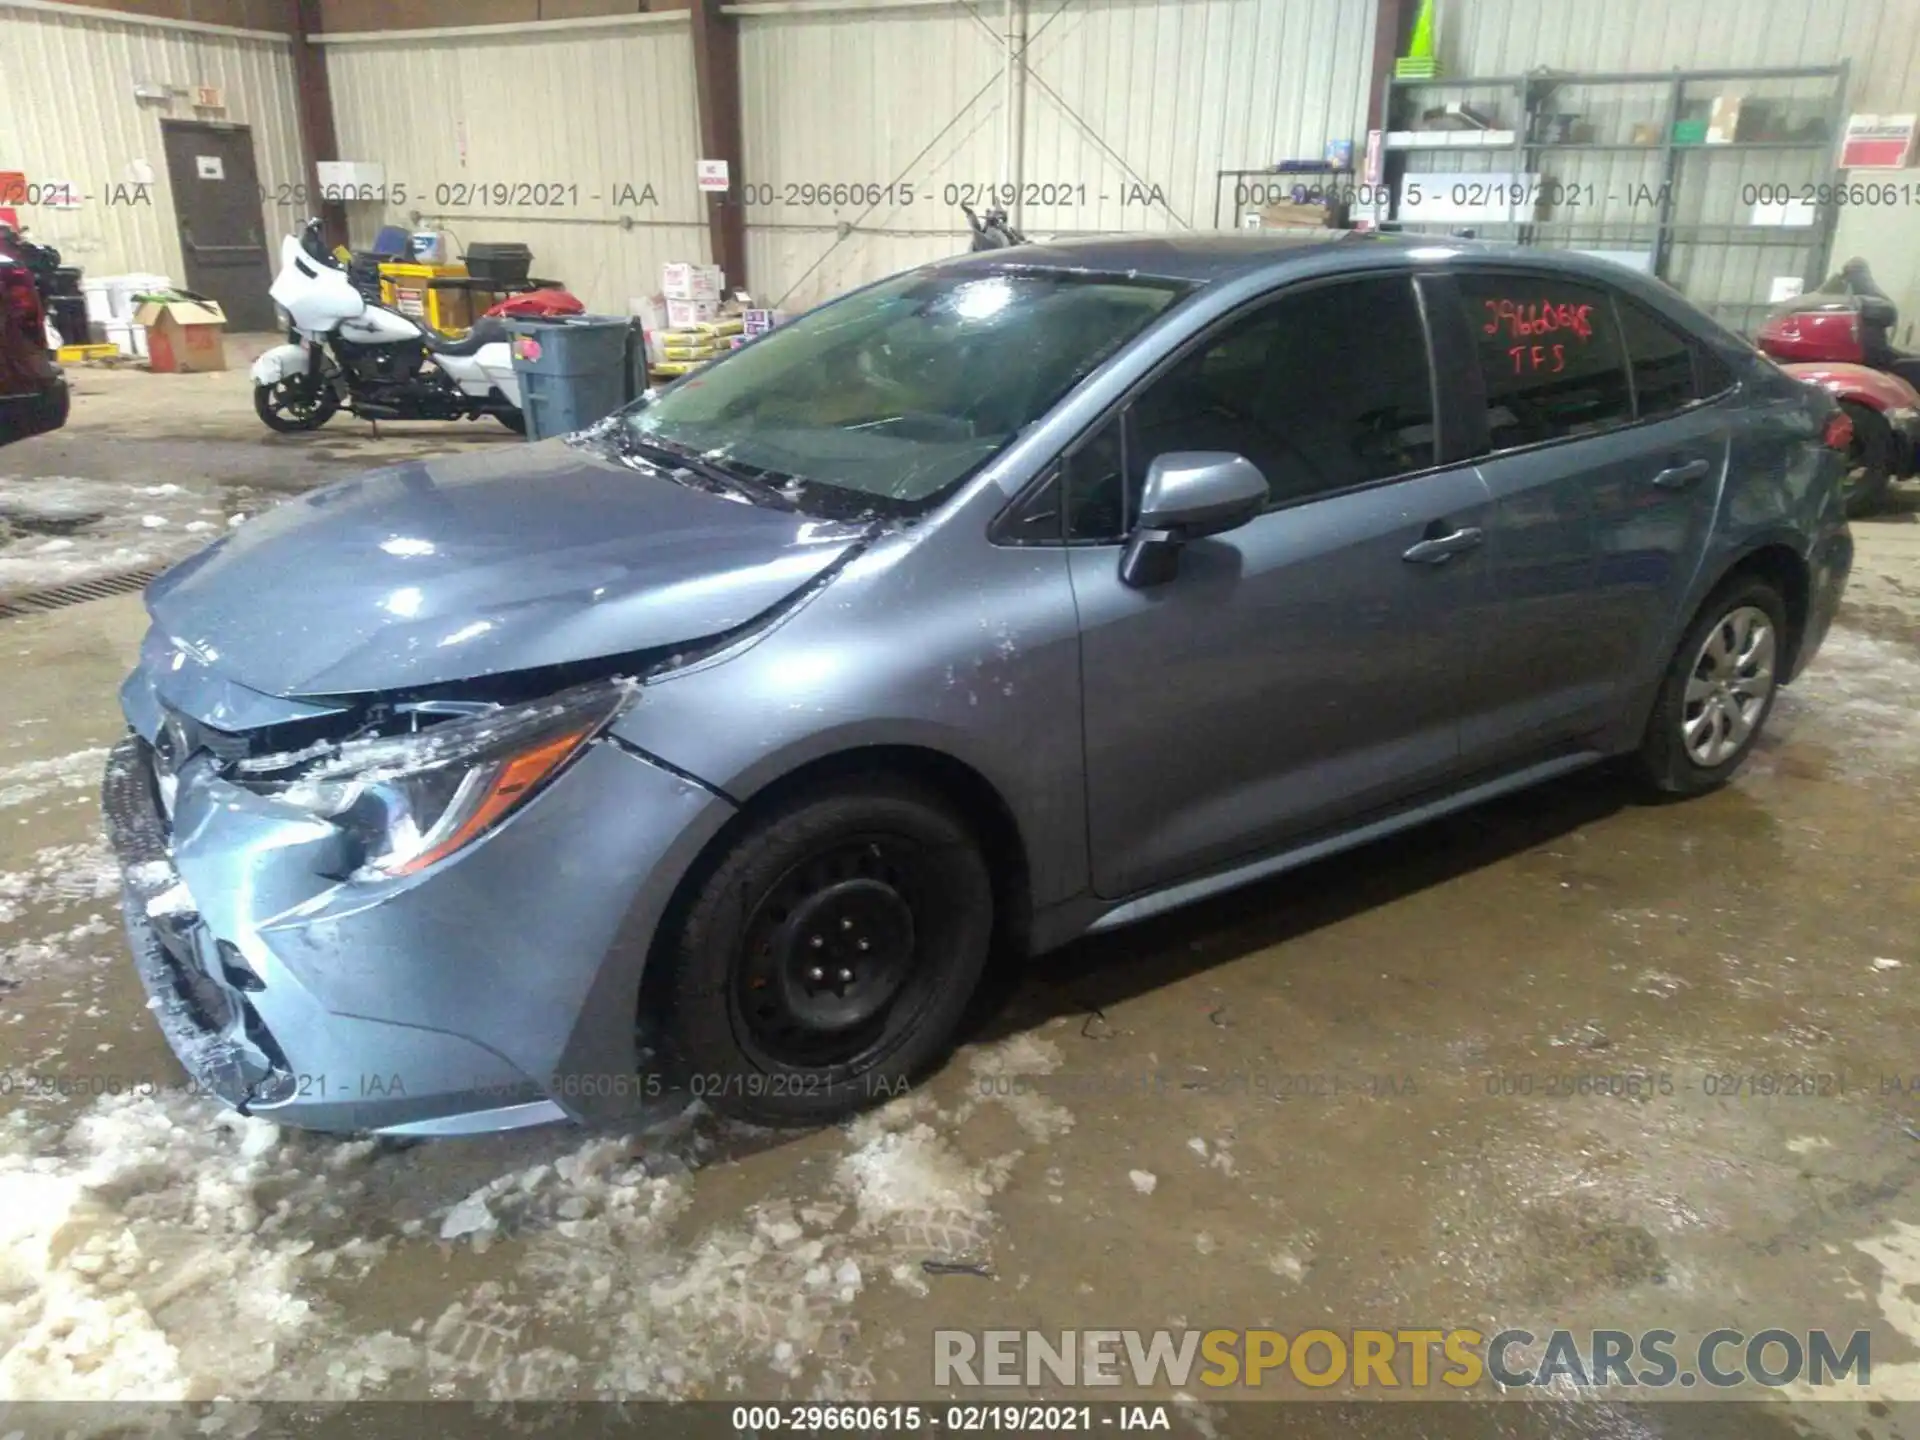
(693, 320)
(699, 320)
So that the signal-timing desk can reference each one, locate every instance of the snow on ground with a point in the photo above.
(59, 529)
(25, 781)
(153, 1246)
(57, 876)
(157, 1250)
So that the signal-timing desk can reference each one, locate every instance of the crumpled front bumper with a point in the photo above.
(495, 990)
(175, 954)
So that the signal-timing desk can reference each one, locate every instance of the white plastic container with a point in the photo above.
(126, 337)
(121, 290)
(99, 303)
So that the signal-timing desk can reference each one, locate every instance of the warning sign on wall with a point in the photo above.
(1877, 142)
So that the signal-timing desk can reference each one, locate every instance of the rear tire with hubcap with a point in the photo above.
(1718, 690)
(827, 958)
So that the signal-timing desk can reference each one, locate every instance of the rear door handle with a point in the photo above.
(1678, 477)
(1441, 548)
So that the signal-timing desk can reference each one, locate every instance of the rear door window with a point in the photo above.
(1551, 360)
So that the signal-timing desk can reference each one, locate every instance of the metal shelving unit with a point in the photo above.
(1699, 235)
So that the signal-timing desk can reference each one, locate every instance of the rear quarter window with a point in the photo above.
(1671, 370)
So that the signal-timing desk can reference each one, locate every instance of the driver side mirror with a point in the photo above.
(1189, 495)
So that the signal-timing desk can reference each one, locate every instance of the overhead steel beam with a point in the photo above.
(716, 78)
(1392, 28)
(318, 139)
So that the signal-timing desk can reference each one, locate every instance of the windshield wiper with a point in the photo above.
(682, 457)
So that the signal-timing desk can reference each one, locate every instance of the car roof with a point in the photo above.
(1211, 257)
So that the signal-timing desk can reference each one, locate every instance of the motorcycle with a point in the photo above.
(1837, 337)
(344, 351)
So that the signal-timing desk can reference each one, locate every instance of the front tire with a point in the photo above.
(514, 420)
(1718, 691)
(297, 403)
(1869, 460)
(827, 958)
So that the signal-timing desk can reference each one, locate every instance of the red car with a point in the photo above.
(33, 391)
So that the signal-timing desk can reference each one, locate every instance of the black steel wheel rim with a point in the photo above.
(834, 965)
(298, 397)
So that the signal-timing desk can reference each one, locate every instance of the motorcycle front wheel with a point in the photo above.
(299, 402)
(514, 420)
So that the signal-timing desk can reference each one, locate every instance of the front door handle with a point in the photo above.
(1441, 548)
(1678, 477)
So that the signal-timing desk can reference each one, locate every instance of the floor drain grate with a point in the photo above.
(78, 593)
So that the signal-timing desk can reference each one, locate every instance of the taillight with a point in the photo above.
(1839, 432)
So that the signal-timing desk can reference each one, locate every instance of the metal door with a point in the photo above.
(1598, 523)
(216, 205)
(1297, 672)
(1312, 665)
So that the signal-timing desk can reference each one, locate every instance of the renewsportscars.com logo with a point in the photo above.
(1386, 1360)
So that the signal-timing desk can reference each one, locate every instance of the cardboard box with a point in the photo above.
(1723, 121)
(681, 281)
(1292, 215)
(184, 335)
(682, 314)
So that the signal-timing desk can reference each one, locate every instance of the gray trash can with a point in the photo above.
(573, 371)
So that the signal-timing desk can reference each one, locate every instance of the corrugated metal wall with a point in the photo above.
(68, 113)
(1727, 270)
(1128, 110)
(576, 124)
(893, 98)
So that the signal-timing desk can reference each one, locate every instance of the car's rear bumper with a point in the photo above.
(1829, 565)
(35, 414)
(499, 990)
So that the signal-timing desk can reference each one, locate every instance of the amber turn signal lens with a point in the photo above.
(515, 779)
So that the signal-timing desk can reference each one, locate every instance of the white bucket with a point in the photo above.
(122, 288)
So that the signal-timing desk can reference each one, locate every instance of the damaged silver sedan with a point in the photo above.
(1007, 600)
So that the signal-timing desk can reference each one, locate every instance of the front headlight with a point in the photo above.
(411, 800)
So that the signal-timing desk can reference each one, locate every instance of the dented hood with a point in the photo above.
(444, 570)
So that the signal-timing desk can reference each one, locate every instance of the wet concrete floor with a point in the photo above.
(1571, 1060)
